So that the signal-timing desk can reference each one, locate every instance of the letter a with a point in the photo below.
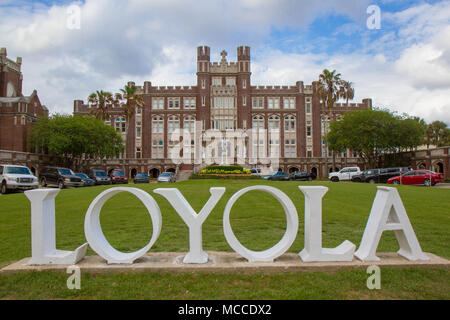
(193, 220)
(43, 243)
(313, 251)
(388, 213)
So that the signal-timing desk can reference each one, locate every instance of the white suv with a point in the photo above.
(16, 178)
(345, 174)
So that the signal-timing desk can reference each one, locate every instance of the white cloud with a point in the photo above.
(138, 40)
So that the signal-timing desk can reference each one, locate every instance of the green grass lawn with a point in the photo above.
(258, 221)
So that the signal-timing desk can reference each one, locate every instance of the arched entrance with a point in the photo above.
(314, 171)
(439, 167)
(294, 169)
(154, 173)
(133, 173)
(422, 166)
(171, 170)
(33, 171)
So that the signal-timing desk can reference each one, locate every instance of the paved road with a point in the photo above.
(443, 185)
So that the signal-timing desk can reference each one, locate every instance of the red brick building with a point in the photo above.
(225, 99)
(17, 112)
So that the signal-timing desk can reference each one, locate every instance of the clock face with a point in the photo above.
(10, 90)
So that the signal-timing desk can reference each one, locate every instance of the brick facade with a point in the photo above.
(230, 82)
(17, 112)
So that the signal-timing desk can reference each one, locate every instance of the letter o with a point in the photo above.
(96, 238)
(282, 246)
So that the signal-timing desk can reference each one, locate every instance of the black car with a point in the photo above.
(141, 178)
(302, 176)
(99, 176)
(59, 177)
(380, 175)
(279, 176)
(86, 180)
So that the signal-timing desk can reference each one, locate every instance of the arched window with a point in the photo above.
(189, 124)
(158, 125)
(274, 123)
(289, 124)
(173, 124)
(258, 122)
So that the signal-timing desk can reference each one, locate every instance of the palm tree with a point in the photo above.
(132, 99)
(329, 91)
(347, 91)
(101, 102)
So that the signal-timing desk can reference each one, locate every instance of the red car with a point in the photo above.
(417, 177)
(118, 176)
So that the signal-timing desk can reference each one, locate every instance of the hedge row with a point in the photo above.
(225, 168)
(223, 177)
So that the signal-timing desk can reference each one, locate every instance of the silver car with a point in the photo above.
(166, 177)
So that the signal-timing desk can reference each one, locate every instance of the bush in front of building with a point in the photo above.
(225, 170)
(196, 176)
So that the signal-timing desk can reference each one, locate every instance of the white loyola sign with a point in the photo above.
(388, 213)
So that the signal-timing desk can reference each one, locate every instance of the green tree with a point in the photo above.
(372, 133)
(75, 137)
(438, 133)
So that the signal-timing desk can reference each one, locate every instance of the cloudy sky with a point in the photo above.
(403, 66)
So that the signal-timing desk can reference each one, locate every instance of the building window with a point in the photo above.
(309, 154)
(273, 103)
(189, 124)
(274, 123)
(138, 153)
(244, 83)
(223, 103)
(23, 120)
(217, 81)
(289, 103)
(157, 149)
(289, 148)
(258, 122)
(231, 81)
(244, 100)
(138, 110)
(203, 82)
(158, 125)
(121, 124)
(138, 129)
(289, 124)
(189, 103)
(173, 103)
(258, 103)
(173, 124)
(203, 101)
(244, 124)
(308, 131)
(158, 103)
(308, 105)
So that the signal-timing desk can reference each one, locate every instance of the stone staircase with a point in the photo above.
(183, 175)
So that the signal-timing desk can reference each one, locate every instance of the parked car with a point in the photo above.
(59, 177)
(301, 176)
(344, 174)
(255, 171)
(16, 178)
(166, 177)
(279, 176)
(100, 177)
(379, 175)
(86, 180)
(141, 178)
(418, 177)
(118, 176)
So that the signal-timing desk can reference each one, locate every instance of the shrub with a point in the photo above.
(225, 168)
(221, 177)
